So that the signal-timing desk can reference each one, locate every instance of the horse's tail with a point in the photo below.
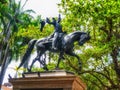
(28, 52)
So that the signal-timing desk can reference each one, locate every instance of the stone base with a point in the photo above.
(47, 73)
(55, 80)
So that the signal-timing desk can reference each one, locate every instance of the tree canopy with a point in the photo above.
(11, 17)
(101, 60)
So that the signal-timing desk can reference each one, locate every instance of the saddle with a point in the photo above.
(59, 40)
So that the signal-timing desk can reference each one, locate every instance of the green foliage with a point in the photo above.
(11, 17)
(99, 56)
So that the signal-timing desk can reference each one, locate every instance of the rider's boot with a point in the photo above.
(63, 57)
(54, 47)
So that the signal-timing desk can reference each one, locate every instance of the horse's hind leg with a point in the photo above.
(29, 69)
(42, 61)
(75, 55)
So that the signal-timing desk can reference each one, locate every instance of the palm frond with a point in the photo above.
(29, 11)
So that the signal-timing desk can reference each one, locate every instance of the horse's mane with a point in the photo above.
(77, 32)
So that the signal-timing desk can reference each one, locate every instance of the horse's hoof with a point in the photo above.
(45, 68)
(63, 58)
(57, 68)
(29, 70)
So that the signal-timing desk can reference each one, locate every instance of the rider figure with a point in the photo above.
(57, 30)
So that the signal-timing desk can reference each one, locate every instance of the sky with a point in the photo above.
(45, 8)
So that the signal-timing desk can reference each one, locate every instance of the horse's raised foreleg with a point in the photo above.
(75, 55)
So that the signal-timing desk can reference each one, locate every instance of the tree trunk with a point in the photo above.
(114, 55)
(3, 58)
(4, 66)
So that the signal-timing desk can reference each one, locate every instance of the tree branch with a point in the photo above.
(99, 80)
(93, 83)
(93, 71)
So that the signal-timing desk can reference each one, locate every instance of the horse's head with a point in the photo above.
(83, 38)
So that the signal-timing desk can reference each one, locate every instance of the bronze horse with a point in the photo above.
(65, 45)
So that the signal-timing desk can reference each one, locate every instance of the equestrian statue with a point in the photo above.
(59, 42)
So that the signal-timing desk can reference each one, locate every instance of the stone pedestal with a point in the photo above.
(48, 81)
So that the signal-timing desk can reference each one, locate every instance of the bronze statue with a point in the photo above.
(66, 46)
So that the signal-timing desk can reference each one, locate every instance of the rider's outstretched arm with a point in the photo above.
(59, 18)
(42, 25)
(48, 21)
